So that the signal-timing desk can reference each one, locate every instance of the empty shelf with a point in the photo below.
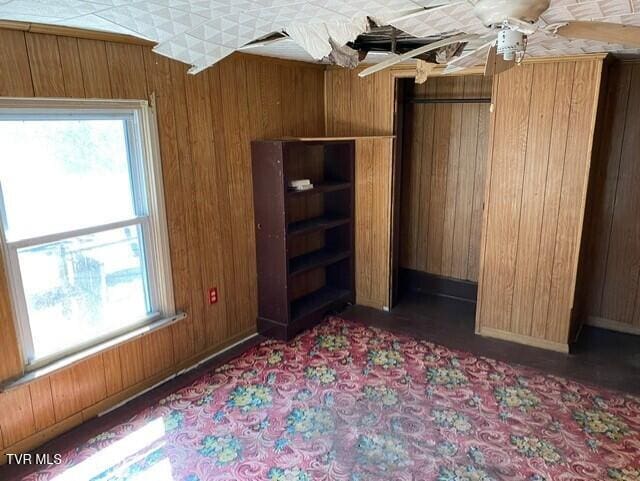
(315, 259)
(323, 298)
(315, 224)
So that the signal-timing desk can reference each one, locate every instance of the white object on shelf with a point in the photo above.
(300, 182)
(303, 187)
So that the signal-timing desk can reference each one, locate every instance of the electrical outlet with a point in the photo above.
(213, 295)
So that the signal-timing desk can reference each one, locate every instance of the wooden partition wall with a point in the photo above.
(612, 262)
(205, 124)
(356, 107)
(537, 178)
(443, 177)
(374, 173)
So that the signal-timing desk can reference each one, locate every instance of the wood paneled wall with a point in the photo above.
(539, 164)
(443, 175)
(374, 169)
(612, 273)
(206, 123)
(357, 106)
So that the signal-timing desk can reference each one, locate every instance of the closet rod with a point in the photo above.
(479, 100)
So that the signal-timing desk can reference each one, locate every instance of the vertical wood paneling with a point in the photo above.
(112, 371)
(65, 400)
(443, 179)
(157, 352)
(479, 182)
(468, 160)
(46, 68)
(126, 71)
(131, 367)
(623, 261)
(71, 67)
(89, 382)
(373, 220)
(205, 161)
(453, 171)
(42, 404)
(375, 94)
(534, 181)
(505, 198)
(553, 186)
(439, 169)
(584, 103)
(190, 205)
(239, 176)
(543, 128)
(612, 274)
(205, 125)
(16, 415)
(95, 68)
(159, 81)
(15, 73)
(422, 163)
(412, 146)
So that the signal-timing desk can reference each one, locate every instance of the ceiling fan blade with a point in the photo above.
(490, 66)
(496, 64)
(463, 37)
(627, 35)
(470, 59)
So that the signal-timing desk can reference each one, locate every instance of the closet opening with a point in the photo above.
(443, 130)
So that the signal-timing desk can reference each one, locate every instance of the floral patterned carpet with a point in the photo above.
(348, 402)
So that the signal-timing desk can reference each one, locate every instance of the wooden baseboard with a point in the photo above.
(423, 282)
(37, 439)
(522, 339)
(610, 325)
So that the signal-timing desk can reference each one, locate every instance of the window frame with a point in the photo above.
(149, 207)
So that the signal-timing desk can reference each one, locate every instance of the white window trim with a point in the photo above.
(156, 244)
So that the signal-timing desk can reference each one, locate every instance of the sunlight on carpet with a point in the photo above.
(348, 402)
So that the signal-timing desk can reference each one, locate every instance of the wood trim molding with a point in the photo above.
(327, 139)
(610, 325)
(281, 61)
(85, 34)
(74, 32)
(409, 70)
(522, 339)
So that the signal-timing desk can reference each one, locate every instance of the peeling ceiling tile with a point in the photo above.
(193, 51)
(286, 48)
(201, 31)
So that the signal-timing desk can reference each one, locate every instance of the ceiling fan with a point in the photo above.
(508, 25)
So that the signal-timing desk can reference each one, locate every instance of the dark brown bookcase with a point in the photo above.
(304, 240)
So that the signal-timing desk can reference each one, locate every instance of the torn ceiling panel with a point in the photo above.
(201, 32)
(318, 39)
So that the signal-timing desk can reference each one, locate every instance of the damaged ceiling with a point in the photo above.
(202, 32)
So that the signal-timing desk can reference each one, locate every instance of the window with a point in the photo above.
(83, 222)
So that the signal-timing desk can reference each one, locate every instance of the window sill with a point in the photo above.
(77, 357)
